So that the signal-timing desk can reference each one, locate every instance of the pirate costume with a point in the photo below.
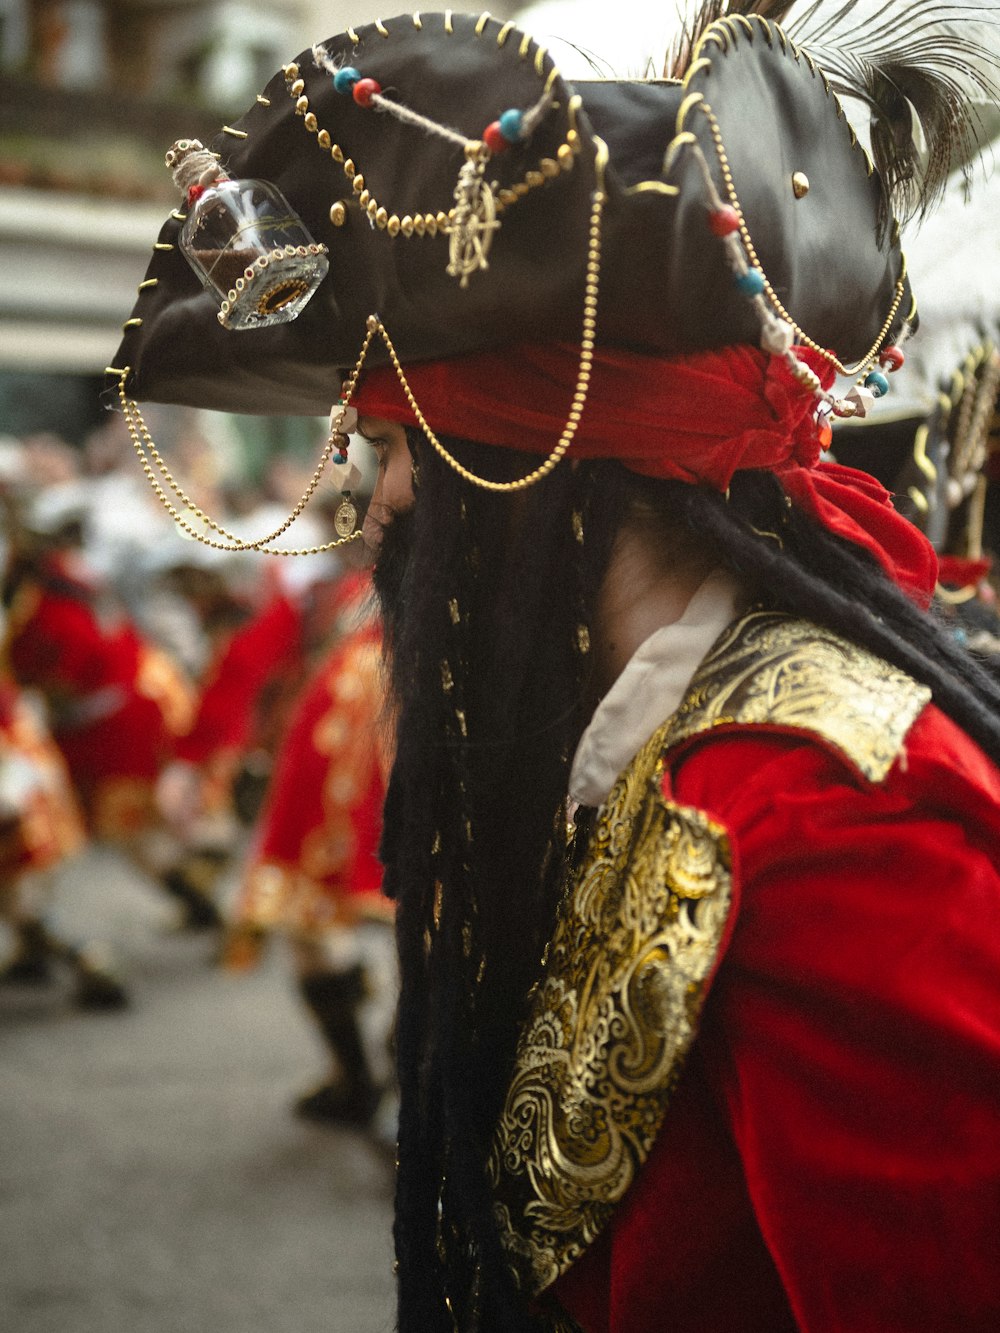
(756, 1079)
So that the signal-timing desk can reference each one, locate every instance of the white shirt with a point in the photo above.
(650, 688)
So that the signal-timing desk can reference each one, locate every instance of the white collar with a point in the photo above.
(650, 688)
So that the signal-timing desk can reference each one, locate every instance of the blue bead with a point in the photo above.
(512, 125)
(877, 383)
(345, 79)
(750, 283)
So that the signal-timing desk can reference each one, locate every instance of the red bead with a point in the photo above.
(824, 433)
(194, 194)
(364, 90)
(891, 358)
(493, 138)
(723, 221)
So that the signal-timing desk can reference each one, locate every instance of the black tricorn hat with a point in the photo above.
(754, 121)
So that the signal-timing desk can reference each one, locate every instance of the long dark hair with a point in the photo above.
(488, 621)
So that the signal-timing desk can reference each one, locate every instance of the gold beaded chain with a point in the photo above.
(587, 341)
(146, 451)
(429, 223)
(867, 360)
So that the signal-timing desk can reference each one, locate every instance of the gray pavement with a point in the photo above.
(152, 1179)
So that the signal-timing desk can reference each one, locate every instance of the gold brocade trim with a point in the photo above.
(119, 809)
(159, 679)
(772, 670)
(611, 1022)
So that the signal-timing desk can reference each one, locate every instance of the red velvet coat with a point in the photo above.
(830, 1160)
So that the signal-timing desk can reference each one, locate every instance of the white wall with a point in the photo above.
(70, 269)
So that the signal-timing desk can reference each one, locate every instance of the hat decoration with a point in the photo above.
(244, 240)
(664, 198)
(473, 219)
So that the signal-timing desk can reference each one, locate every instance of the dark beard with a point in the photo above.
(391, 578)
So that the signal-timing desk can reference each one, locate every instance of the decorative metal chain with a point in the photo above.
(587, 342)
(727, 176)
(151, 461)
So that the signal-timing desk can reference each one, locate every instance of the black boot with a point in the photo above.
(97, 988)
(31, 963)
(190, 883)
(352, 1099)
(39, 949)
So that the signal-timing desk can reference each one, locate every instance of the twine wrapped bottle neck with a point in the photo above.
(193, 167)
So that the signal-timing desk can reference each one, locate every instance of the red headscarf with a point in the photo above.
(696, 418)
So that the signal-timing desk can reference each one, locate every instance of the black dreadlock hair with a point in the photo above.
(492, 689)
(487, 624)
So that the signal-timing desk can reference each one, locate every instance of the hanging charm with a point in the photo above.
(346, 475)
(345, 520)
(474, 220)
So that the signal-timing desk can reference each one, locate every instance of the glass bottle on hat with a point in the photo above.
(245, 242)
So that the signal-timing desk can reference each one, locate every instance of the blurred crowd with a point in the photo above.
(215, 717)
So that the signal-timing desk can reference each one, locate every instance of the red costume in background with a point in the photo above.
(314, 872)
(315, 862)
(115, 702)
(260, 655)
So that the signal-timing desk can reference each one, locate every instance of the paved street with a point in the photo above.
(152, 1179)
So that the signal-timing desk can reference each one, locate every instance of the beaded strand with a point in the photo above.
(778, 331)
(514, 126)
(152, 461)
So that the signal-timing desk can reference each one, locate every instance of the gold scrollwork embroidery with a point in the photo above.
(611, 1022)
(776, 671)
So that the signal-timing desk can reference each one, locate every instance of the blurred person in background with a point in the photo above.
(258, 650)
(313, 874)
(40, 828)
(115, 703)
(936, 443)
(41, 824)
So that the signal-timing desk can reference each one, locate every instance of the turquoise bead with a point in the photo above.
(512, 125)
(877, 383)
(750, 283)
(345, 79)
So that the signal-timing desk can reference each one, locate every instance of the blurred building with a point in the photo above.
(92, 92)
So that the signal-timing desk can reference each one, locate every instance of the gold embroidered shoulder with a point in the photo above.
(634, 946)
(771, 670)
